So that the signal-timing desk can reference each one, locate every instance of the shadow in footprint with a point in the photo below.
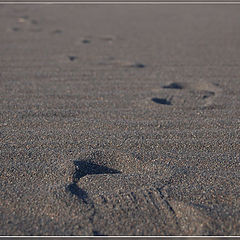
(174, 86)
(57, 31)
(208, 94)
(97, 233)
(77, 191)
(163, 101)
(137, 65)
(84, 168)
(86, 41)
(72, 58)
(16, 29)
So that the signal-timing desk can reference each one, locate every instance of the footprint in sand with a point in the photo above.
(115, 166)
(174, 86)
(86, 41)
(93, 163)
(163, 101)
(189, 94)
(109, 39)
(57, 31)
(72, 58)
(112, 62)
(112, 182)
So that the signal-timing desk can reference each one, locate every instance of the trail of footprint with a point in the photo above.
(110, 61)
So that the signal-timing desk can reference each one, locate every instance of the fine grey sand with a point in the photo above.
(119, 120)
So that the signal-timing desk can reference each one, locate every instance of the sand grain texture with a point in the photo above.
(119, 120)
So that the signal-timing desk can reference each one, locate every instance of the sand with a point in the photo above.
(119, 120)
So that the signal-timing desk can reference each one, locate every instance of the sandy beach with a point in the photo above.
(119, 120)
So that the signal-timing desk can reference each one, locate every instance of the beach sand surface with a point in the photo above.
(119, 120)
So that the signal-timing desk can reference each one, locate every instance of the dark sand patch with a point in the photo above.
(72, 58)
(163, 101)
